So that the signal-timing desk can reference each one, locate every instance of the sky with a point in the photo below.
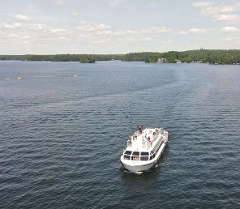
(117, 26)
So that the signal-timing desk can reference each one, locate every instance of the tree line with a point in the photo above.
(84, 58)
(202, 55)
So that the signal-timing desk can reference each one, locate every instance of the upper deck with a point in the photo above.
(144, 140)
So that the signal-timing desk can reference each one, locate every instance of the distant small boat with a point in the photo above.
(75, 76)
(19, 78)
(144, 148)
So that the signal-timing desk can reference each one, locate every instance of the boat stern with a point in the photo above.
(136, 166)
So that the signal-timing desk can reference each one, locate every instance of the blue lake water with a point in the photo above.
(61, 136)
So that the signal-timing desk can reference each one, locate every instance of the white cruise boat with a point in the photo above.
(144, 148)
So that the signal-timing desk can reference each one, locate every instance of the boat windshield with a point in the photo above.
(127, 155)
(136, 156)
(144, 156)
(127, 152)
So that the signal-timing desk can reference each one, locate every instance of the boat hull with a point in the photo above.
(140, 166)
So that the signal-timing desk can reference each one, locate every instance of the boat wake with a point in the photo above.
(138, 173)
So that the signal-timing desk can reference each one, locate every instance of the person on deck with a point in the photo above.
(140, 130)
(149, 142)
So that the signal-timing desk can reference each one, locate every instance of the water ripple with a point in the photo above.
(61, 138)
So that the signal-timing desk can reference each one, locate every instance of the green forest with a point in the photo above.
(83, 58)
(201, 56)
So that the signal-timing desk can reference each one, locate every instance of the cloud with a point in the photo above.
(92, 27)
(202, 4)
(27, 29)
(17, 34)
(106, 32)
(60, 2)
(96, 33)
(26, 37)
(156, 30)
(100, 42)
(22, 18)
(37, 27)
(212, 11)
(132, 32)
(220, 13)
(145, 39)
(58, 30)
(83, 35)
(119, 33)
(197, 31)
(114, 3)
(229, 19)
(167, 42)
(235, 40)
(75, 14)
(183, 32)
(230, 29)
(13, 35)
(14, 25)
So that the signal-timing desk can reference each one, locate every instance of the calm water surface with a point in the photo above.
(61, 136)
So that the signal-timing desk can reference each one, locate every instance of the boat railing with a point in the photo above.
(157, 133)
(155, 137)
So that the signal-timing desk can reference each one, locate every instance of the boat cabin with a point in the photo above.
(143, 155)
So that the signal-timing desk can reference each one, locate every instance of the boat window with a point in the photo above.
(152, 156)
(153, 152)
(135, 156)
(126, 157)
(135, 153)
(144, 156)
(128, 152)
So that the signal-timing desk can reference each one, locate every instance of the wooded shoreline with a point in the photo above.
(231, 56)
